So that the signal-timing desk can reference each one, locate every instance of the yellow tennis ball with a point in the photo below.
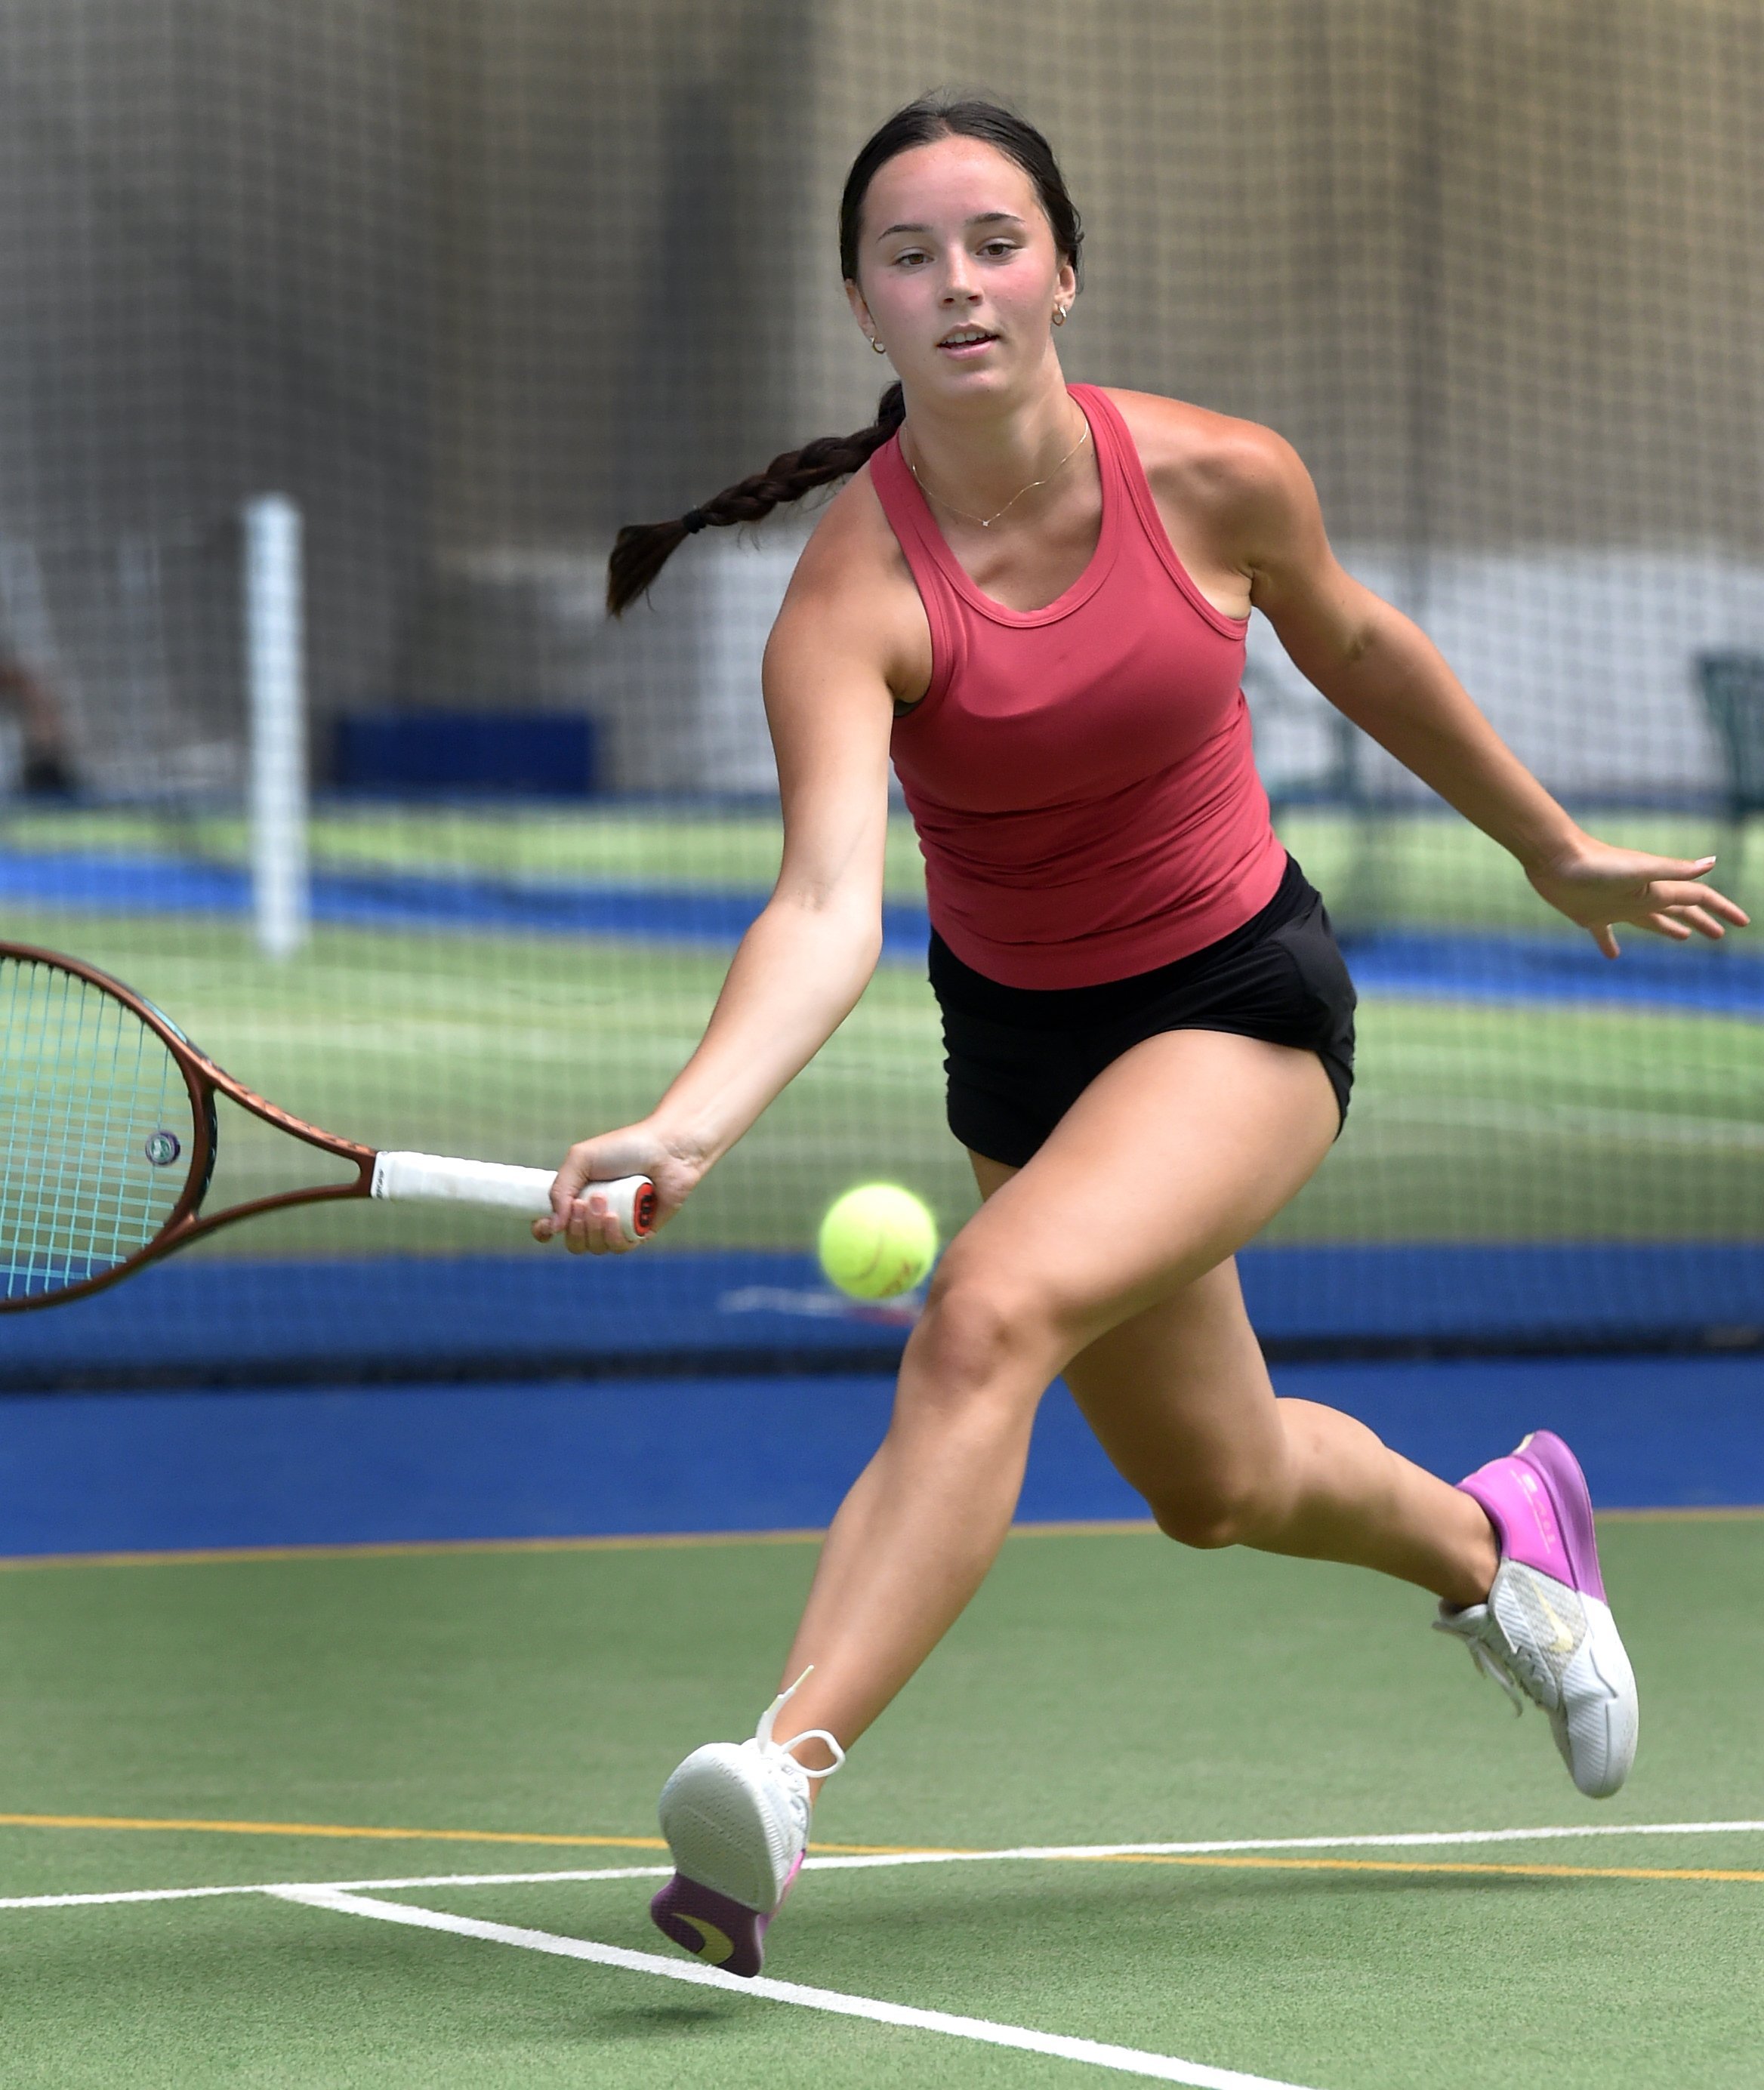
(877, 1241)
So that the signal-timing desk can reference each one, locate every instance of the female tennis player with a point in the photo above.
(1034, 596)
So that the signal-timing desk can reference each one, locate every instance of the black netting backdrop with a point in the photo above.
(471, 282)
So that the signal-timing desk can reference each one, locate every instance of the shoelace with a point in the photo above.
(768, 1720)
(1490, 1665)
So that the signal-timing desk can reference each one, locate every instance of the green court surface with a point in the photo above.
(523, 1705)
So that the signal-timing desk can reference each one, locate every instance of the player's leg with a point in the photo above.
(1179, 1397)
(1180, 1400)
(1177, 1153)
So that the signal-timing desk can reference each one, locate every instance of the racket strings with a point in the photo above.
(97, 1130)
(90, 1208)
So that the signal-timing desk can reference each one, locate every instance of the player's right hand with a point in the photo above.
(582, 1217)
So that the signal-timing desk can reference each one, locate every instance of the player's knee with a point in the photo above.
(1224, 1510)
(978, 1329)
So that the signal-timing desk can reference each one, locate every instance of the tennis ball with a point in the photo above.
(877, 1241)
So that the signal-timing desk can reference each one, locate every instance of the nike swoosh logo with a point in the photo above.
(1566, 1639)
(715, 1945)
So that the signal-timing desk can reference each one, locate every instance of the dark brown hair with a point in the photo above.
(641, 549)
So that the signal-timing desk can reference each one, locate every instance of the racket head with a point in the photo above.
(107, 1128)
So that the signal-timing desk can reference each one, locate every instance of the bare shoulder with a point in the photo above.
(1191, 453)
(851, 545)
(1244, 486)
(853, 591)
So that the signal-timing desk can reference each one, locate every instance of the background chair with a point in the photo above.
(1732, 686)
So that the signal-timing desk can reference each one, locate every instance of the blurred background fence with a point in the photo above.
(469, 285)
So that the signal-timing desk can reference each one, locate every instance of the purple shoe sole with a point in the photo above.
(710, 1926)
(1536, 1499)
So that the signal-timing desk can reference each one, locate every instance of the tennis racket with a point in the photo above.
(107, 1112)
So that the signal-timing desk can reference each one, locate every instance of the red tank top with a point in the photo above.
(1081, 775)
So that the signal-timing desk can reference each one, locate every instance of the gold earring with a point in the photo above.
(877, 346)
(1059, 315)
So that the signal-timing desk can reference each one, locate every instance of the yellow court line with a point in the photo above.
(1094, 1527)
(344, 1830)
(1218, 1860)
(1707, 1513)
(668, 1541)
(323, 1829)
(1236, 1863)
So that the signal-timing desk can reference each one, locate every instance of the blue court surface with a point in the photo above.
(157, 1470)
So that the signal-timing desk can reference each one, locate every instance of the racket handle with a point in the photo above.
(436, 1179)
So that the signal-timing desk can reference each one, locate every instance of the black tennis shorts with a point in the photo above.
(1018, 1058)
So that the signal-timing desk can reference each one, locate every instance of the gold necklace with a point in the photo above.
(986, 522)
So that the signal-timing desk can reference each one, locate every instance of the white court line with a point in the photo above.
(1123, 2060)
(1417, 1840)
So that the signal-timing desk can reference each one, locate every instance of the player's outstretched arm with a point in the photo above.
(1384, 673)
(805, 960)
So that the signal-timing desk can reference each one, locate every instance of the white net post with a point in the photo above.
(275, 678)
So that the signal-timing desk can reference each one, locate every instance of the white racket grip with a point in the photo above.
(438, 1179)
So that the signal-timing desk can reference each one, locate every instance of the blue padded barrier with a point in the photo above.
(203, 1320)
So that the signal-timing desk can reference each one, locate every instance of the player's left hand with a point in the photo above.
(1598, 886)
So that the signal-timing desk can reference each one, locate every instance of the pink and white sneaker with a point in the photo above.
(1545, 1631)
(736, 1818)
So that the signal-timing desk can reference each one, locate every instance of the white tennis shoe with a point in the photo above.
(1540, 1640)
(1545, 1631)
(736, 1818)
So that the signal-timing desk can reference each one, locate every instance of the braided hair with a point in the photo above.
(641, 549)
